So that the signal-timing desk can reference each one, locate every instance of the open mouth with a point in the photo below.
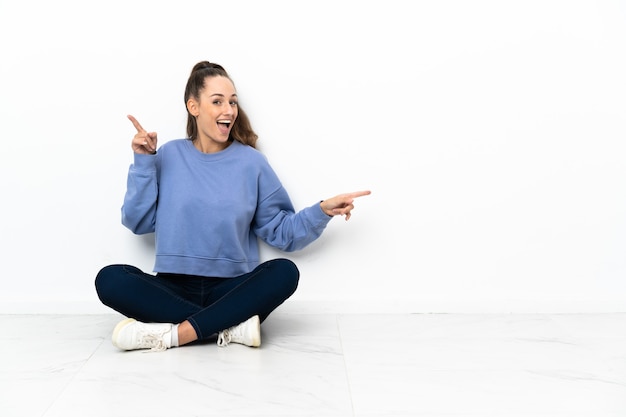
(223, 126)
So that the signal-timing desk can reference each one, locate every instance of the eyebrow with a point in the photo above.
(222, 95)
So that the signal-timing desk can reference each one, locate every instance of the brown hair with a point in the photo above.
(241, 130)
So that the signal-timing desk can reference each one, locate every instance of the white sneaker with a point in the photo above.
(131, 334)
(247, 333)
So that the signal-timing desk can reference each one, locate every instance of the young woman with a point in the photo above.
(208, 199)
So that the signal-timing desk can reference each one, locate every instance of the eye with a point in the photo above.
(217, 102)
(234, 103)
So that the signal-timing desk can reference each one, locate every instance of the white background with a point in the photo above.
(491, 133)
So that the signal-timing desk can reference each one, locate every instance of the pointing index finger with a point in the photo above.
(359, 193)
(139, 128)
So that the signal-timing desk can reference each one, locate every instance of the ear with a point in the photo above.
(193, 107)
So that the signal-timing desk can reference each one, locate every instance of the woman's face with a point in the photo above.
(216, 112)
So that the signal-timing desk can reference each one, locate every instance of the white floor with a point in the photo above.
(535, 365)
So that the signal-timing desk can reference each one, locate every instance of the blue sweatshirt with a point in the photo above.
(207, 210)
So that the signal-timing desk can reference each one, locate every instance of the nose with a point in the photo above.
(228, 109)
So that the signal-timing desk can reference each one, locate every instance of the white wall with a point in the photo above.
(491, 133)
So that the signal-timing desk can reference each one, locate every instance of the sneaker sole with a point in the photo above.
(117, 330)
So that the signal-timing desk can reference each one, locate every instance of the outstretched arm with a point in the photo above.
(342, 204)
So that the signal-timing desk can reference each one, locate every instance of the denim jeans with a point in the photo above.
(210, 304)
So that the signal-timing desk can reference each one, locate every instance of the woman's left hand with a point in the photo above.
(342, 204)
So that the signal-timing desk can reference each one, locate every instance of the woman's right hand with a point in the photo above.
(144, 142)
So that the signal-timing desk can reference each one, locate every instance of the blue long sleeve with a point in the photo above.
(140, 201)
(283, 229)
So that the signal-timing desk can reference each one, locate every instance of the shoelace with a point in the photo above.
(223, 338)
(154, 340)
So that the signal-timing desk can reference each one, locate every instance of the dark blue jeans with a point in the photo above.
(210, 304)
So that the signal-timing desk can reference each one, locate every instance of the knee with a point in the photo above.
(106, 282)
(288, 273)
